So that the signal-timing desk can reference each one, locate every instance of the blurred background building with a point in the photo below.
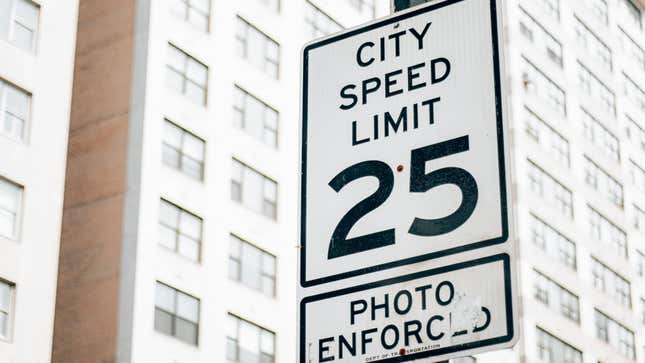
(178, 239)
(37, 41)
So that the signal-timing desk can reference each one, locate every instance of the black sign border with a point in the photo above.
(500, 149)
(508, 298)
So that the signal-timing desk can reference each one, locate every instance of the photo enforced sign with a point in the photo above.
(416, 316)
(402, 142)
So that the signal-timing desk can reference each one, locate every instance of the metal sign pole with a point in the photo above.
(398, 5)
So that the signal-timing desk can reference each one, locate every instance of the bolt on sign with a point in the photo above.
(405, 212)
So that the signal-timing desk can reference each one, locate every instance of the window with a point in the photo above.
(615, 334)
(19, 23)
(634, 93)
(540, 37)
(548, 188)
(551, 7)
(600, 10)
(611, 283)
(592, 44)
(318, 23)
(639, 218)
(183, 151)
(631, 12)
(594, 88)
(194, 12)
(186, 75)
(179, 230)
(6, 309)
(598, 134)
(631, 49)
(14, 111)
(554, 350)
(251, 266)
(637, 176)
(254, 190)
(176, 314)
(635, 132)
(364, 6)
(272, 4)
(547, 137)
(260, 50)
(536, 83)
(553, 242)
(556, 297)
(10, 208)
(603, 230)
(248, 343)
(601, 181)
(255, 117)
(640, 263)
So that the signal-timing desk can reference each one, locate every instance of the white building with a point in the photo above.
(179, 240)
(577, 79)
(37, 40)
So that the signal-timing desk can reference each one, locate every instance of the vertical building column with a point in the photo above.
(100, 178)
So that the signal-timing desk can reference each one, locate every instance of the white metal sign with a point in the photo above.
(428, 313)
(404, 169)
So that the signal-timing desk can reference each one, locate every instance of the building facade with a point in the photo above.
(576, 71)
(36, 37)
(179, 227)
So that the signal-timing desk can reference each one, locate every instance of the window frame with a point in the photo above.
(561, 202)
(601, 181)
(599, 86)
(242, 111)
(18, 214)
(10, 313)
(4, 85)
(601, 141)
(188, 7)
(314, 26)
(557, 105)
(551, 342)
(13, 20)
(605, 328)
(593, 49)
(181, 152)
(177, 231)
(606, 229)
(240, 262)
(545, 33)
(563, 156)
(265, 52)
(187, 58)
(175, 315)
(265, 179)
(608, 273)
(262, 330)
(561, 292)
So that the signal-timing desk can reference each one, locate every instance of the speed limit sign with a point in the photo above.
(403, 160)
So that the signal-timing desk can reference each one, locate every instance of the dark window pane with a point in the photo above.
(186, 331)
(163, 322)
